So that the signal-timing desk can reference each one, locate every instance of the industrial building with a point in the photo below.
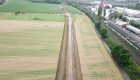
(121, 23)
(128, 12)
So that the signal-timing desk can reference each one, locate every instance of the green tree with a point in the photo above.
(99, 10)
(120, 16)
(116, 14)
(103, 32)
(124, 59)
(125, 19)
(137, 6)
(121, 54)
(131, 22)
(98, 25)
(104, 12)
(101, 17)
(128, 6)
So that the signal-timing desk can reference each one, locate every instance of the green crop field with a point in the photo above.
(32, 17)
(70, 9)
(36, 17)
(28, 6)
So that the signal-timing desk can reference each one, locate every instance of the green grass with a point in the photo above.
(37, 17)
(70, 9)
(14, 75)
(5, 15)
(93, 66)
(30, 7)
(38, 41)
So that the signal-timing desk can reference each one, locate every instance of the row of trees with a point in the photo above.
(100, 12)
(137, 6)
(2, 1)
(134, 24)
(53, 1)
(83, 9)
(121, 53)
(118, 15)
(47, 1)
(102, 31)
(117, 49)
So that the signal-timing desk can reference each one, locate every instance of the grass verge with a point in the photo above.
(70, 9)
(33, 17)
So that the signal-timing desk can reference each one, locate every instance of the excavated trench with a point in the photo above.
(69, 67)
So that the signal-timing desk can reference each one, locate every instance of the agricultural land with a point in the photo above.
(29, 7)
(29, 43)
(29, 49)
(32, 17)
(70, 9)
(96, 63)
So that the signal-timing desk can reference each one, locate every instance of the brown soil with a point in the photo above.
(63, 62)
(13, 25)
(63, 9)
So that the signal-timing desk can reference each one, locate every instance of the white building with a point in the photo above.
(120, 23)
(135, 30)
(128, 12)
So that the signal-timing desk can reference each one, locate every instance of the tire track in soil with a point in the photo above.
(64, 64)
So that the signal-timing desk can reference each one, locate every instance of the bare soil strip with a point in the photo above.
(63, 70)
(63, 9)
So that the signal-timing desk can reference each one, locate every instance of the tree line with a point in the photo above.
(47, 1)
(123, 57)
(53, 1)
(118, 50)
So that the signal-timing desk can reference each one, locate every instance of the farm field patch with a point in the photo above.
(4, 15)
(70, 9)
(96, 63)
(29, 6)
(33, 17)
(29, 53)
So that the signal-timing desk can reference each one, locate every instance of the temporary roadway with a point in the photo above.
(68, 64)
(96, 63)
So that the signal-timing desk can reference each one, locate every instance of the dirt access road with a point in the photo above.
(69, 67)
